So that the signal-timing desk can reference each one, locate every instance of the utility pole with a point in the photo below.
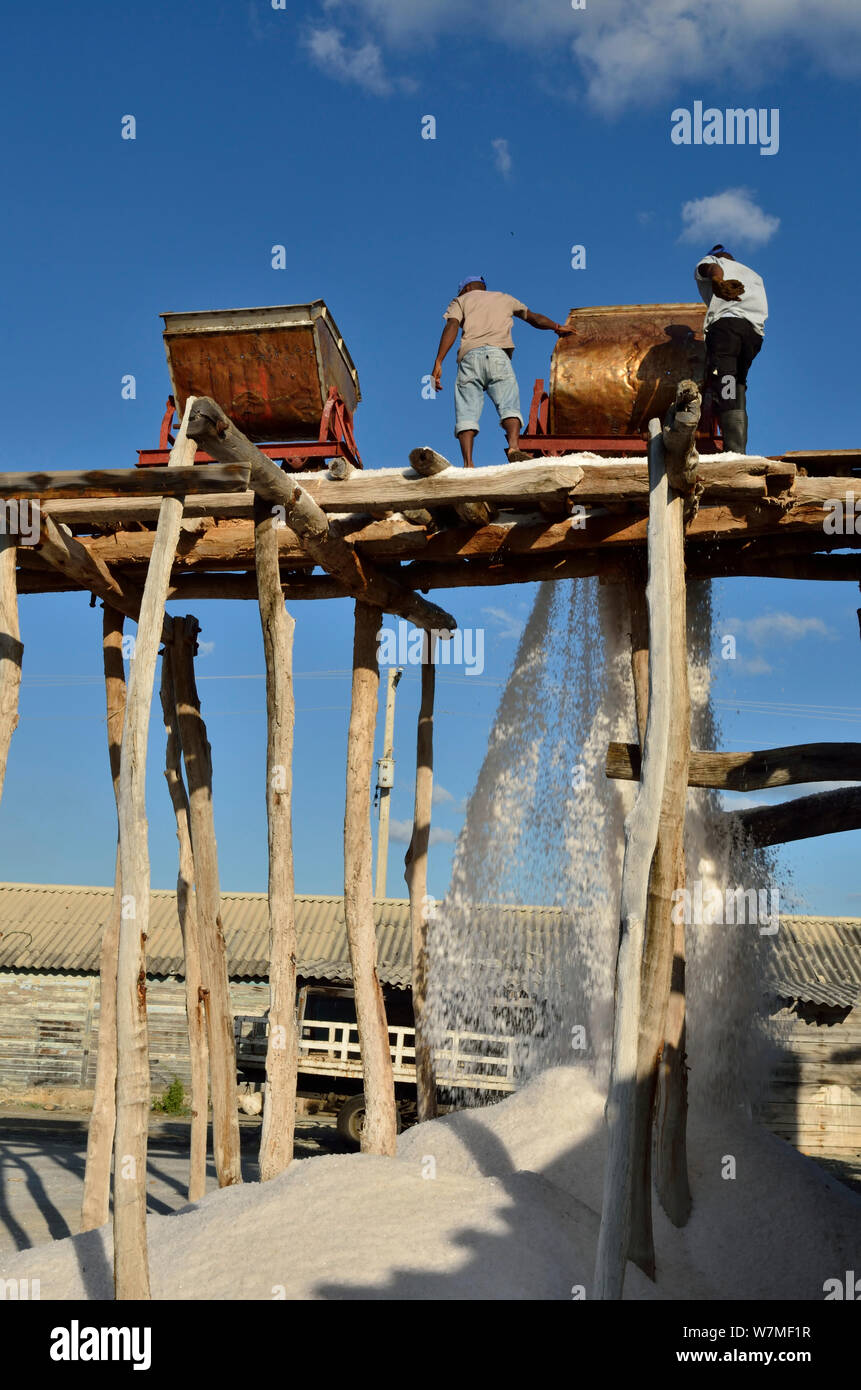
(386, 780)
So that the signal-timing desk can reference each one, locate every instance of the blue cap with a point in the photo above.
(468, 281)
(721, 251)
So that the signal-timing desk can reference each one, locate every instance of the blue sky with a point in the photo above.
(301, 126)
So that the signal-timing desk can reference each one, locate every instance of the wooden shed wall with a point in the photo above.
(49, 1028)
(815, 1093)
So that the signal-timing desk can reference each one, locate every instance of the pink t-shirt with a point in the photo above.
(486, 317)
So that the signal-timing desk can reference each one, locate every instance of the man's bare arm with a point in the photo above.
(447, 340)
(541, 321)
(710, 270)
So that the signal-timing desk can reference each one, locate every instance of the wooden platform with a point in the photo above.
(551, 519)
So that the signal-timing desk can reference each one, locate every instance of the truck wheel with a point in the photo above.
(351, 1119)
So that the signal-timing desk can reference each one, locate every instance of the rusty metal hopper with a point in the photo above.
(270, 369)
(621, 367)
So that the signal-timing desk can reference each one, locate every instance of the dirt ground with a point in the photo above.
(42, 1160)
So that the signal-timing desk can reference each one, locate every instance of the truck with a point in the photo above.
(330, 1059)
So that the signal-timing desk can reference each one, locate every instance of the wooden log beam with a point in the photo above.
(379, 1134)
(282, 1049)
(641, 833)
(748, 772)
(826, 813)
(131, 1264)
(215, 432)
(96, 1203)
(230, 543)
(195, 994)
(124, 482)
(416, 875)
(219, 1016)
(88, 570)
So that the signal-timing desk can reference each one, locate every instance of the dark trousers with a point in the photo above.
(731, 345)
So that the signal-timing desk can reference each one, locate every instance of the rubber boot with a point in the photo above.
(733, 424)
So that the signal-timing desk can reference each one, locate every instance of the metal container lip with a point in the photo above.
(260, 318)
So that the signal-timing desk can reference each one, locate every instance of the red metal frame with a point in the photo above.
(336, 439)
(536, 440)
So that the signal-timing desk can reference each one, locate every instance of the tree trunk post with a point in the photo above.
(11, 650)
(416, 875)
(282, 1048)
(379, 1135)
(131, 1265)
(219, 1015)
(641, 834)
(186, 906)
(95, 1207)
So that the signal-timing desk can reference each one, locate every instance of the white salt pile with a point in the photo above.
(497, 1203)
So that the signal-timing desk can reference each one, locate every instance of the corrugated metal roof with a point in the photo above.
(58, 927)
(817, 960)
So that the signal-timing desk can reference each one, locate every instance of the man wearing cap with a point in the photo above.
(484, 360)
(734, 328)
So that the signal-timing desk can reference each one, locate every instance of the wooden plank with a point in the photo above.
(827, 813)
(641, 833)
(282, 1051)
(379, 1134)
(119, 482)
(223, 440)
(753, 771)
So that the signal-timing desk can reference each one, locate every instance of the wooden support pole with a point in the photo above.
(662, 1028)
(416, 875)
(282, 1049)
(11, 651)
(219, 1015)
(753, 771)
(186, 906)
(826, 813)
(641, 833)
(223, 440)
(131, 1266)
(95, 1207)
(379, 1134)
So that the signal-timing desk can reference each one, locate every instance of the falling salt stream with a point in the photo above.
(544, 827)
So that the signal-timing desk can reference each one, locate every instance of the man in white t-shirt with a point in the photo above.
(484, 360)
(734, 329)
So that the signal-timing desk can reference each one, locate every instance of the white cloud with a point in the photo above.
(628, 53)
(363, 65)
(205, 648)
(508, 624)
(502, 157)
(727, 217)
(441, 796)
(776, 627)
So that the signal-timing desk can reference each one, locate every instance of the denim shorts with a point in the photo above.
(484, 369)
